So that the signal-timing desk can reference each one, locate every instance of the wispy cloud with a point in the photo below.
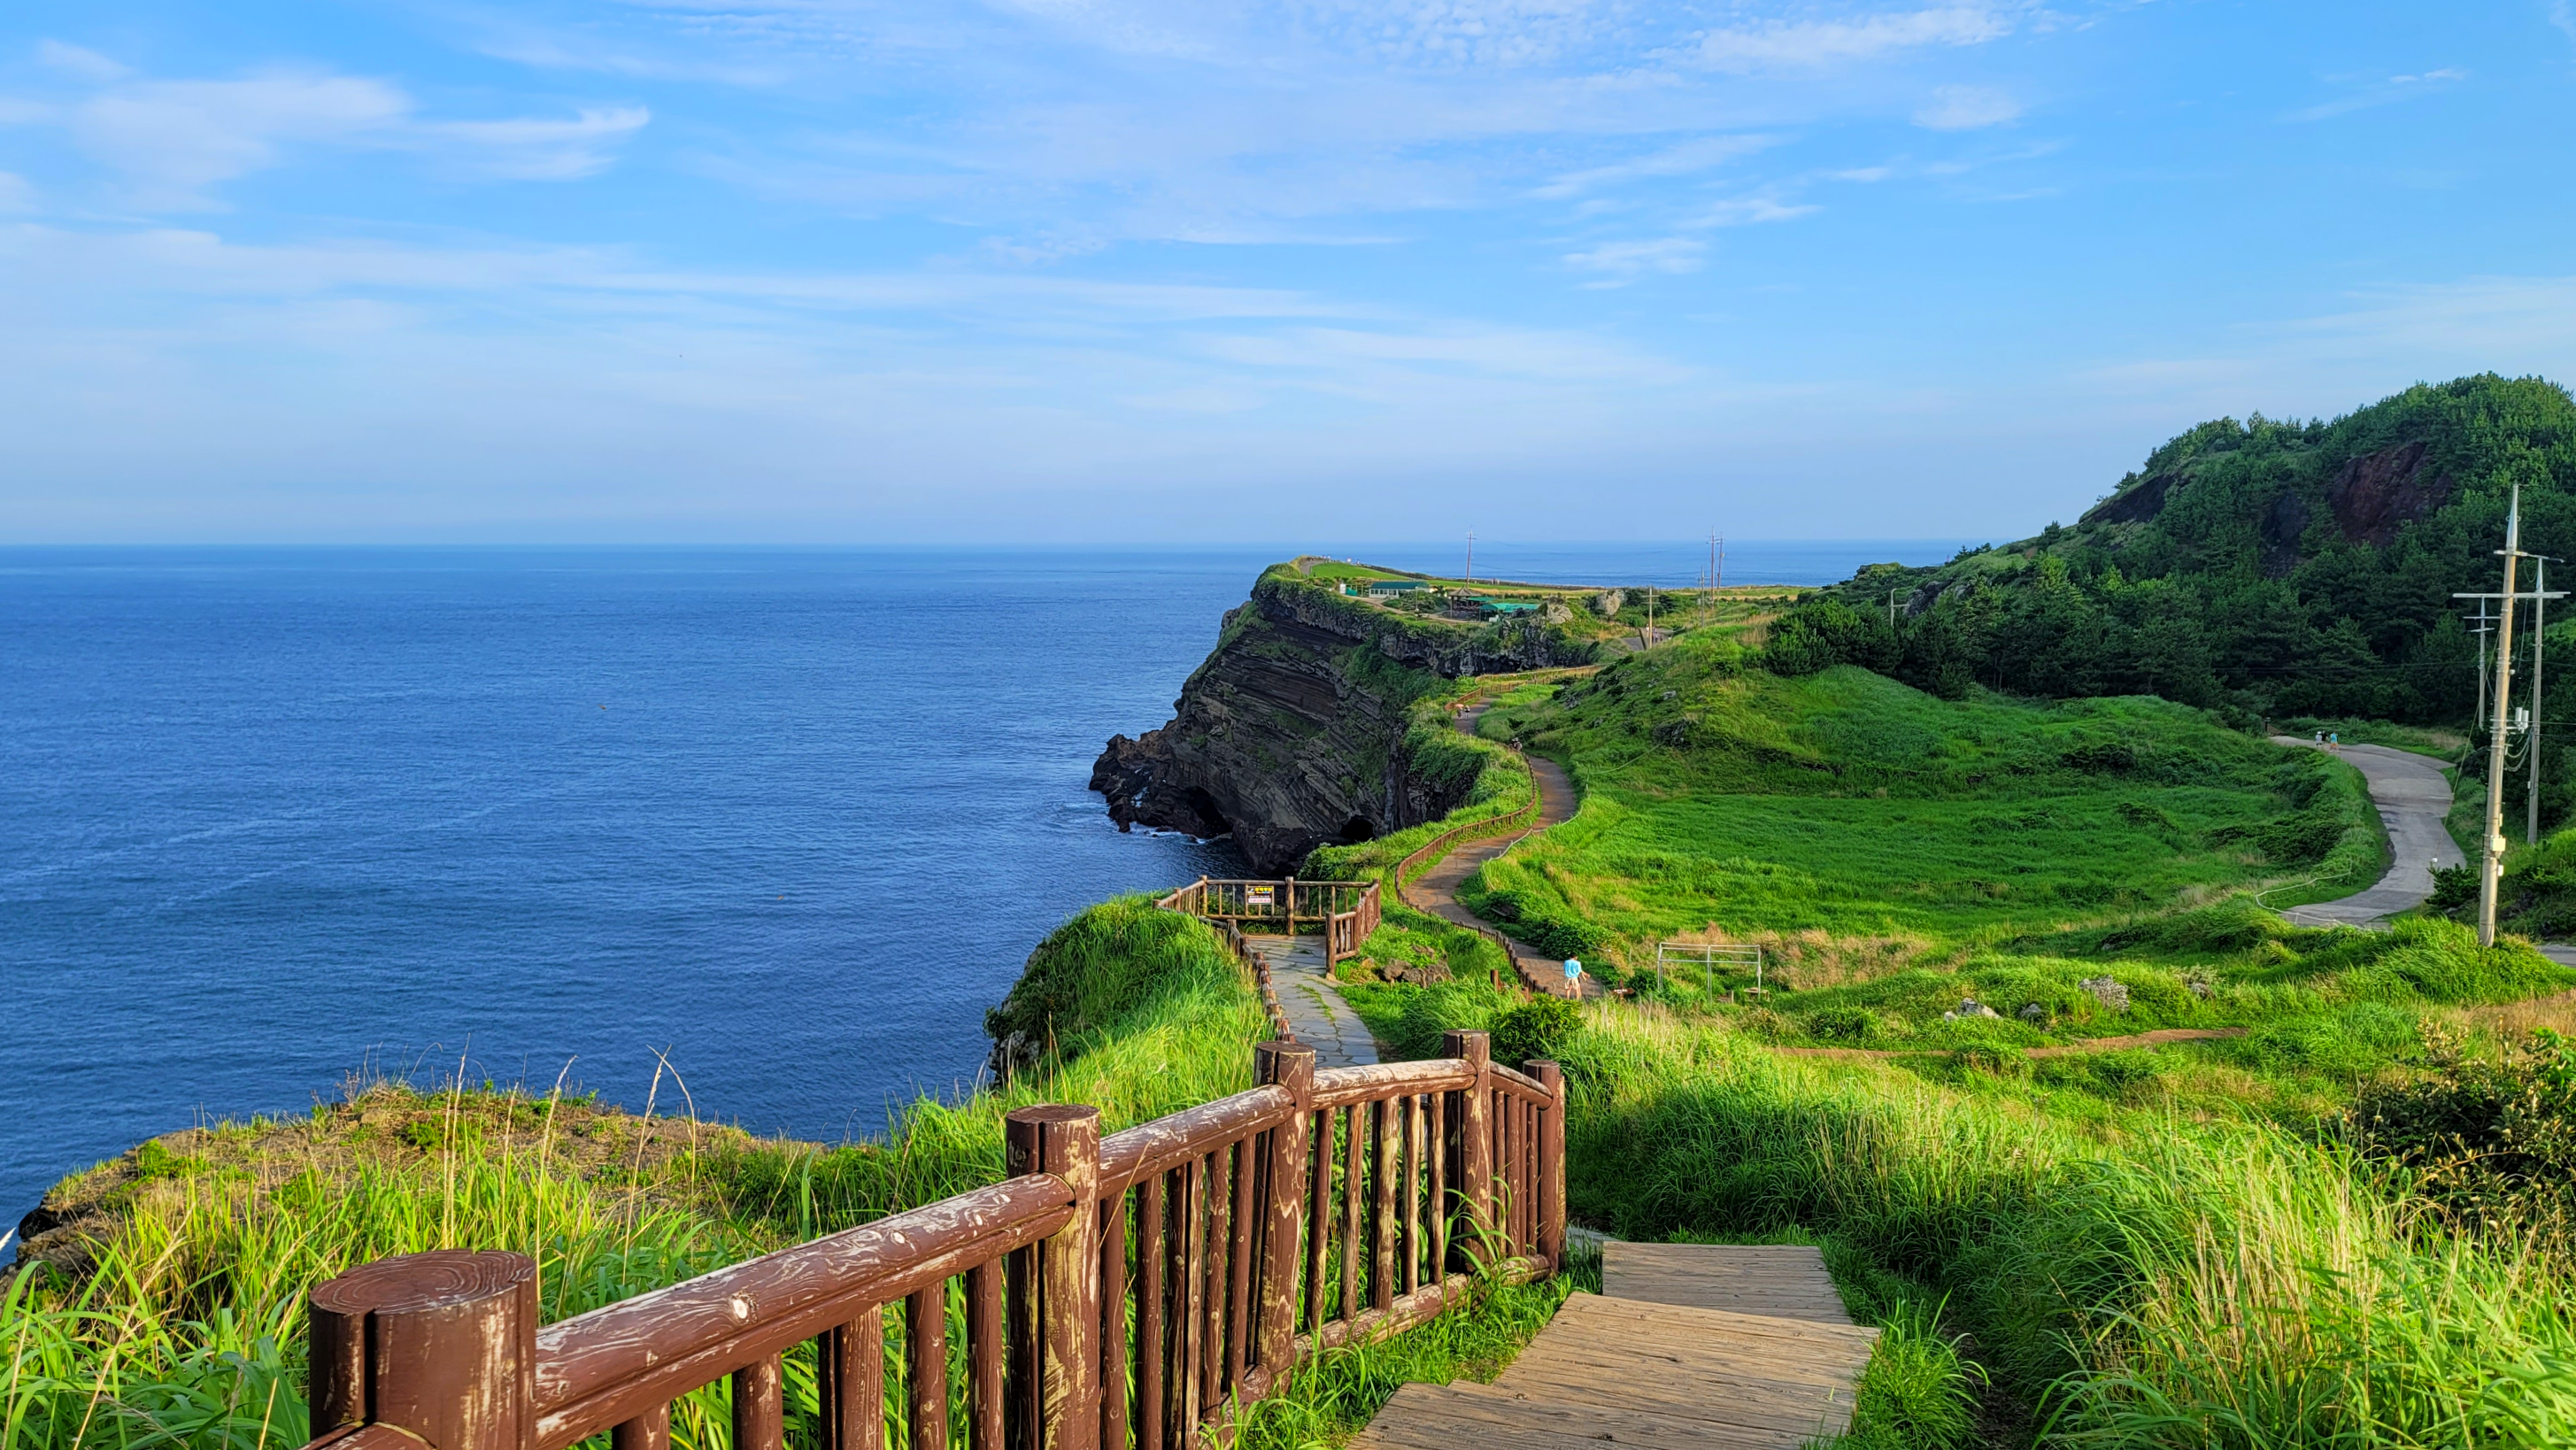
(173, 142)
(74, 60)
(536, 149)
(1688, 158)
(2385, 91)
(1966, 108)
(1788, 44)
(1741, 211)
(1624, 262)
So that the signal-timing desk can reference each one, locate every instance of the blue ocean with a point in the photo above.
(775, 825)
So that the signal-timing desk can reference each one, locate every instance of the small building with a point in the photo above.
(1390, 588)
(1488, 607)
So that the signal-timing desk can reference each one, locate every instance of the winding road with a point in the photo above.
(2412, 796)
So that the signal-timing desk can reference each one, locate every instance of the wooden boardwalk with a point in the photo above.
(1692, 1347)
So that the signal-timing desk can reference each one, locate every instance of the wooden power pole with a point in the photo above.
(2491, 846)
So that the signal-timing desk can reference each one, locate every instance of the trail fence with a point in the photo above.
(1134, 1290)
(1708, 957)
(1346, 910)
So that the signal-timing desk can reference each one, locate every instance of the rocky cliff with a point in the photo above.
(1293, 733)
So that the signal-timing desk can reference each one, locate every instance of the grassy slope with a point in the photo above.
(186, 1326)
(1747, 805)
(2151, 1246)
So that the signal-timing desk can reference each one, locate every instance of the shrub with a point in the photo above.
(2490, 1141)
(1843, 1024)
(1538, 1028)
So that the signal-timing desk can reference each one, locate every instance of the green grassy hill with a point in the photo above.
(1727, 799)
(2294, 568)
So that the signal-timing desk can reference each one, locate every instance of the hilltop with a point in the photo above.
(2269, 566)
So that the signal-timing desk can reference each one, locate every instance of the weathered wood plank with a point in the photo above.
(1788, 1279)
(1440, 1417)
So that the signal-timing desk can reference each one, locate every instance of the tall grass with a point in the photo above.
(187, 1328)
(2179, 1283)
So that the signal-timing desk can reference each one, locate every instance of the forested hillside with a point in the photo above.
(2272, 567)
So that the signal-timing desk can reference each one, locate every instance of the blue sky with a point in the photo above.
(1132, 270)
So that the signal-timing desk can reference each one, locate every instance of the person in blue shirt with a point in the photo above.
(1573, 974)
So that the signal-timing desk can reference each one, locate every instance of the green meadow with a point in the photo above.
(1727, 803)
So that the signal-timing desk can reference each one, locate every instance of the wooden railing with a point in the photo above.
(1130, 1291)
(1421, 856)
(1347, 910)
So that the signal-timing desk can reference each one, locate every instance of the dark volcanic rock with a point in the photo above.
(2378, 492)
(1292, 733)
(2132, 505)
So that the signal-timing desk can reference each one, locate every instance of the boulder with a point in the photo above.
(2108, 992)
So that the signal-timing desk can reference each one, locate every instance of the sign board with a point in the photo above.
(1263, 896)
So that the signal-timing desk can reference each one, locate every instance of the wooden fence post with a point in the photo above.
(1055, 1285)
(442, 1345)
(1475, 1184)
(1551, 1166)
(1290, 1065)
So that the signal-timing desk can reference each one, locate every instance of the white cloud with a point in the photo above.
(1682, 160)
(1739, 211)
(1625, 262)
(16, 193)
(532, 149)
(1782, 44)
(174, 141)
(88, 65)
(179, 137)
(1966, 108)
(2384, 92)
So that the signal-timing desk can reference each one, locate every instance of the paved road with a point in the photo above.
(2412, 798)
(1316, 1013)
(1436, 890)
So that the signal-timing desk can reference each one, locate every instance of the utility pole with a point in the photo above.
(2491, 864)
(2491, 870)
(1471, 556)
(2539, 637)
(1891, 611)
(2485, 628)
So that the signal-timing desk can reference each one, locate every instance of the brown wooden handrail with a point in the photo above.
(1122, 1293)
(1226, 902)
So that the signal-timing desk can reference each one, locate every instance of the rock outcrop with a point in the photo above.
(2376, 493)
(1292, 734)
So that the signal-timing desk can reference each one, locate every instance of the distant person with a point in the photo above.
(1573, 975)
(2334, 740)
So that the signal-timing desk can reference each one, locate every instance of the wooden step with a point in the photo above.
(1448, 1417)
(1784, 1280)
(1721, 1348)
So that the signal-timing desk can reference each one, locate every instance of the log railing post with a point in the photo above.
(442, 1345)
(1551, 1166)
(1055, 1286)
(1290, 1065)
(1473, 1117)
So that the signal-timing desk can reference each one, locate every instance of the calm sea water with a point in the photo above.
(788, 821)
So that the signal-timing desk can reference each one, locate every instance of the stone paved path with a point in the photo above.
(1316, 1012)
(2412, 798)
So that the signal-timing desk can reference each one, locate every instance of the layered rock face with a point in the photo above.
(1291, 735)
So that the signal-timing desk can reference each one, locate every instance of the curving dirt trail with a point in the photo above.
(1436, 890)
